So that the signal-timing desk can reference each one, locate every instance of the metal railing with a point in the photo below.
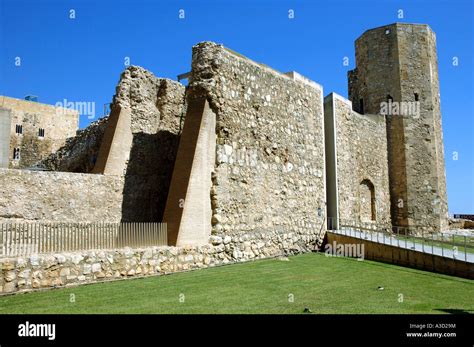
(418, 238)
(26, 238)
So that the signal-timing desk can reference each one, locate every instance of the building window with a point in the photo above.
(41, 132)
(389, 98)
(416, 97)
(19, 129)
(361, 106)
(16, 153)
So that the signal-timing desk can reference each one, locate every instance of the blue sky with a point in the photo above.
(81, 59)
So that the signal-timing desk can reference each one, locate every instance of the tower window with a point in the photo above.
(367, 201)
(19, 129)
(16, 153)
(389, 98)
(41, 132)
(416, 97)
(361, 106)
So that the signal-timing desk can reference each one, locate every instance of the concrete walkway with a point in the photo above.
(409, 244)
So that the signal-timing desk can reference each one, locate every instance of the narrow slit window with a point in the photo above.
(417, 97)
(16, 153)
(361, 106)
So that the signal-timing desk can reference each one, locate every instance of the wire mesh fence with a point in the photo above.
(22, 239)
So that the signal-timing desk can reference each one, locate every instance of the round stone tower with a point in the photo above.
(396, 76)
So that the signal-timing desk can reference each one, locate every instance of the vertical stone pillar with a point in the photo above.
(115, 148)
(188, 207)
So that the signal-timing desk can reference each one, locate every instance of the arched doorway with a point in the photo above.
(367, 201)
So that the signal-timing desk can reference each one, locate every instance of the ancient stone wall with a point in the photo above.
(143, 148)
(269, 170)
(58, 124)
(361, 163)
(68, 269)
(59, 196)
(156, 103)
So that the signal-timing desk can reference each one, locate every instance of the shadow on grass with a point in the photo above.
(454, 310)
(401, 268)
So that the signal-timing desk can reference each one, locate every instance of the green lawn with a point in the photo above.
(323, 284)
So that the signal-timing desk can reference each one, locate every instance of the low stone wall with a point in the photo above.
(69, 269)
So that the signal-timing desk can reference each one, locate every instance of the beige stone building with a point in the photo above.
(30, 131)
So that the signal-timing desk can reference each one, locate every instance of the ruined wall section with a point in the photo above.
(138, 193)
(361, 157)
(269, 170)
(156, 108)
(156, 103)
(80, 152)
